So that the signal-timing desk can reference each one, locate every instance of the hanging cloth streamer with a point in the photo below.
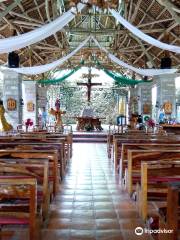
(47, 67)
(143, 36)
(14, 43)
(144, 72)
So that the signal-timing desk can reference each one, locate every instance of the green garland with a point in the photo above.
(119, 78)
(58, 80)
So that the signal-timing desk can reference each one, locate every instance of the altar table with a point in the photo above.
(88, 123)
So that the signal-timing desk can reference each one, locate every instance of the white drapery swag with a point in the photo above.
(144, 72)
(143, 36)
(26, 39)
(47, 67)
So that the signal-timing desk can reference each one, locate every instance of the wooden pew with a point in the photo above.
(51, 155)
(24, 189)
(40, 170)
(141, 146)
(117, 147)
(36, 145)
(169, 217)
(154, 182)
(64, 155)
(135, 157)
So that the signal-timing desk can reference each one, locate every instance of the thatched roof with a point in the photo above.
(153, 17)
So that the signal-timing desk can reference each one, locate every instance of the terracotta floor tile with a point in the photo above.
(99, 214)
(55, 234)
(82, 234)
(109, 235)
(60, 223)
(107, 224)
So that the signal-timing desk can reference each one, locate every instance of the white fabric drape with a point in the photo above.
(47, 67)
(144, 72)
(143, 36)
(26, 39)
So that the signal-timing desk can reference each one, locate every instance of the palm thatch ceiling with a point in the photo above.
(158, 18)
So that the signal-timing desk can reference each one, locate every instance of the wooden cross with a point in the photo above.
(89, 85)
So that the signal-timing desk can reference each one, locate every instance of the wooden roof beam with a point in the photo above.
(144, 50)
(169, 7)
(49, 19)
(159, 38)
(133, 17)
(9, 8)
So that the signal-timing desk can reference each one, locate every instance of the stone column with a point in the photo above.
(166, 91)
(12, 89)
(145, 98)
(29, 94)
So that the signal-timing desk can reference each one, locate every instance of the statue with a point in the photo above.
(57, 113)
(4, 125)
(87, 111)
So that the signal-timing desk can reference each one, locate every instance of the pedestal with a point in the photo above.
(12, 95)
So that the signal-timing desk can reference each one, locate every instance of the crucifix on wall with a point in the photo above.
(89, 84)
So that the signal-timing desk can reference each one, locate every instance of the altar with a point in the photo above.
(88, 123)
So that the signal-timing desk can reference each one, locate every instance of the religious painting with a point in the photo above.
(30, 106)
(11, 104)
(146, 108)
(167, 107)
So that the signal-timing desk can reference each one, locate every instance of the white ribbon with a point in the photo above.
(26, 39)
(144, 72)
(142, 35)
(47, 67)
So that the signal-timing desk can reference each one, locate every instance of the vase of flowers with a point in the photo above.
(28, 123)
(150, 124)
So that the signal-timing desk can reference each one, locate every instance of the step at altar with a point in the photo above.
(92, 137)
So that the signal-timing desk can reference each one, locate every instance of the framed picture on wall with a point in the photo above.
(30, 106)
(11, 104)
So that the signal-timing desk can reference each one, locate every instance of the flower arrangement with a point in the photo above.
(150, 123)
(28, 122)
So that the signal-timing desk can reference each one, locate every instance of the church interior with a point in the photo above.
(89, 119)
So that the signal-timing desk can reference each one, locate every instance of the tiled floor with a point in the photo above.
(90, 204)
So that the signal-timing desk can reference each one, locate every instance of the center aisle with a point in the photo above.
(90, 204)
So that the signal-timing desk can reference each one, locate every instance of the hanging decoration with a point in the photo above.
(119, 78)
(144, 72)
(143, 36)
(47, 67)
(17, 42)
(59, 80)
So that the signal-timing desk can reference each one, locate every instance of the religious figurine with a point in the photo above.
(57, 113)
(4, 125)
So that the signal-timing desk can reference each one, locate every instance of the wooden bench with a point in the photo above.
(117, 148)
(169, 217)
(154, 183)
(141, 146)
(24, 189)
(59, 143)
(51, 155)
(135, 157)
(40, 170)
